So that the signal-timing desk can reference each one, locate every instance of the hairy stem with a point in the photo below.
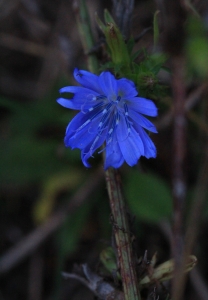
(126, 262)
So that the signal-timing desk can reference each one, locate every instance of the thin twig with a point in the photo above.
(173, 16)
(30, 48)
(197, 206)
(197, 280)
(35, 280)
(178, 181)
(194, 220)
(140, 36)
(190, 102)
(122, 10)
(52, 62)
(32, 241)
(101, 288)
(84, 26)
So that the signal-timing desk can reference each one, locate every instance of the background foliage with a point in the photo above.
(39, 48)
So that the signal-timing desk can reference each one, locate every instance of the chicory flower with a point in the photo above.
(111, 115)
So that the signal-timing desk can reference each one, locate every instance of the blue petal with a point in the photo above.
(66, 103)
(85, 136)
(131, 147)
(143, 106)
(142, 121)
(73, 89)
(149, 147)
(84, 160)
(72, 127)
(92, 147)
(81, 139)
(126, 88)
(77, 125)
(87, 79)
(114, 157)
(108, 84)
(82, 97)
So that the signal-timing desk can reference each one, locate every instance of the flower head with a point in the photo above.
(111, 113)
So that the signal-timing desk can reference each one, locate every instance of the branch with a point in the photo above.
(32, 241)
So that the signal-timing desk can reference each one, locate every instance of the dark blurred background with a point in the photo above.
(53, 211)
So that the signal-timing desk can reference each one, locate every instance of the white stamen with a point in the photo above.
(110, 131)
(83, 125)
(96, 139)
(108, 141)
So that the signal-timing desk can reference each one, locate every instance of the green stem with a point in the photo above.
(126, 262)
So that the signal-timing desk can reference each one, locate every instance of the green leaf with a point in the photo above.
(148, 196)
(196, 46)
(197, 49)
(108, 18)
(108, 258)
(115, 41)
(136, 54)
(130, 45)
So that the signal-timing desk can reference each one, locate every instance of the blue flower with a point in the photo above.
(111, 114)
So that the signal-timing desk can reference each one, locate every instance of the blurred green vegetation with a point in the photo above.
(196, 48)
(32, 139)
(148, 197)
(35, 162)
